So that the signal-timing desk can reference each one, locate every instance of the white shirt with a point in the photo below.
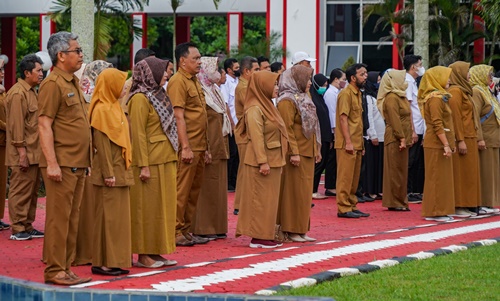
(330, 98)
(227, 90)
(377, 124)
(411, 94)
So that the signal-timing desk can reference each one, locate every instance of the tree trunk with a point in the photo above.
(82, 24)
(174, 40)
(421, 38)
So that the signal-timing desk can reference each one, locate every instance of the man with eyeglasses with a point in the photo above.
(64, 132)
(3, 168)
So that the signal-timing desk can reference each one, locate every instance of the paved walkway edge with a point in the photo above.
(371, 266)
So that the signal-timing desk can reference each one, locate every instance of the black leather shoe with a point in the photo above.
(368, 198)
(101, 271)
(121, 271)
(361, 214)
(349, 214)
(329, 193)
(236, 211)
(360, 199)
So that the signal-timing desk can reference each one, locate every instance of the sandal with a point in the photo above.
(398, 209)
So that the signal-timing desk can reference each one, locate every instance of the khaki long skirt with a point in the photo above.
(439, 196)
(466, 176)
(211, 210)
(153, 210)
(84, 237)
(490, 176)
(112, 229)
(395, 177)
(259, 202)
(295, 196)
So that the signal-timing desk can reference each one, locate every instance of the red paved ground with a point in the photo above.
(22, 259)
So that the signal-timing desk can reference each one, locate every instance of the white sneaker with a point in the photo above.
(459, 212)
(472, 213)
(439, 218)
(318, 196)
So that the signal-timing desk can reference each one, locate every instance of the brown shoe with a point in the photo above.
(62, 279)
(182, 241)
(80, 280)
(196, 239)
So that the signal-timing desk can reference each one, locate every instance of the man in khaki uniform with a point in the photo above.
(23, 148)
(188, 100)
(349, 142)
(65, 160)
(3, 168)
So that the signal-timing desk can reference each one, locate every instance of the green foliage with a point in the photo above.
(160, 34)
(348, 63)
(28, 37)
(467, 275)
(209, 33)
(489, 10)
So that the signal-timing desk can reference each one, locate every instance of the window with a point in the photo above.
(342, 23)
(377, 59)
(338, 55)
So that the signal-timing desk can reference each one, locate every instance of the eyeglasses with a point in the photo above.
(78, 51)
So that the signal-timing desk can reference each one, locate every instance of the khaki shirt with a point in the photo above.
(61, 99)
(349, 104)
(150, 145)
(489, 130)
(22, 123)
(240, 95)
(219, 145)
(298, 143)
(462, 110)
(438, 120)
(397, 113)
(2, 119)
(184, 91)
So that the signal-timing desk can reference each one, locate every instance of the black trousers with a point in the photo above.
(416, 169)
(232, 163)
(319, 167)
(331, 169)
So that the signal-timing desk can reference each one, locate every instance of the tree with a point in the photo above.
(28, 37)
(489, 10)
(421, 44)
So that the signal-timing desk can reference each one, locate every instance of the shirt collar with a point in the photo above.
(67, 76)
(186, 74)
(353, 89)
(409, 78)
(25, 84)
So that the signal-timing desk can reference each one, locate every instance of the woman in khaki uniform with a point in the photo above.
(488, 137)
(264, 130)
(466, 159)
(299, 114)
(397, 139)
(111, 176)
(439, 143)
(153, 198)
(3, 168)
(210, 220)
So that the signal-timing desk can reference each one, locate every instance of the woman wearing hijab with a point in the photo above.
(111, 176)
(85, 236)
(154, 162)
(466, 159)
(488, 136)
(374, 141)
(210, 219)
(304, 141)
(397, 139)
(439, 143)
(317, 90)
(265, 134)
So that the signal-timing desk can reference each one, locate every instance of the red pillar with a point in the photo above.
(396, 62)
(479, 49)
(183, 30)
(9, 49)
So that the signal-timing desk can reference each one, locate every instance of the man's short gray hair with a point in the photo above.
(59, 42)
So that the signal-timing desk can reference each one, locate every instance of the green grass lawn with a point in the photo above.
(473, 274)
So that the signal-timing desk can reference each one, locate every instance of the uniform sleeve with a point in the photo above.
(224, 89)
(49, 99)
(138, 109)
(391, 114)
(255, 128)
(436, 115)
(287, 111)
(177, 92)
(478, 101)
(343, 104)
(409, 92)
(239, 101)
(3, 125)
(103, 146)
(15, 121)
(455, 103)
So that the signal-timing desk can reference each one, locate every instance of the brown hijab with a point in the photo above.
(458, 77)
(259, 93)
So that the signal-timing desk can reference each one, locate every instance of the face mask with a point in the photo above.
(321, 90)
(420, 71)
(342, 84)
(237, 73)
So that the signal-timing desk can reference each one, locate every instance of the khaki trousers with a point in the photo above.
(23, 196)
(61, 223)
(3, 181)
(86, 223)
(189, 179)
(348, 169)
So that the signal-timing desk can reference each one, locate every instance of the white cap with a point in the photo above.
(301, 56)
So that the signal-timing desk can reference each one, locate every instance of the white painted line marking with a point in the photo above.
(487, 242)
(395, 231)
(384, 263)
(244, 256)
(89, 284)
(345, 271)
(300, 282)
(283, 264)
(426, 225)
(421, 255)
(363, 236)
(455, 248)
(286, 249)
(198, 264)
(146, 273)
(265, 292)
(327, 242)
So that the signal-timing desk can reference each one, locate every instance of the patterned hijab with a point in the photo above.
(209, 76)
(293, 85)
(106, 114)
(147, 77)
(393, 81)
(89, 76)
(433, 84)
(479, 76)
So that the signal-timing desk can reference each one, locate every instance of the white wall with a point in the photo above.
(301, 28)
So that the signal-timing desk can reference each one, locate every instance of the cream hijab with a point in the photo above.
(393, 81)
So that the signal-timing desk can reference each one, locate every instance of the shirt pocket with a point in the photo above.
(273, 144)
(157, 138)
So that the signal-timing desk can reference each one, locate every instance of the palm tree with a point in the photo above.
(490, 12)
(104, 11)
